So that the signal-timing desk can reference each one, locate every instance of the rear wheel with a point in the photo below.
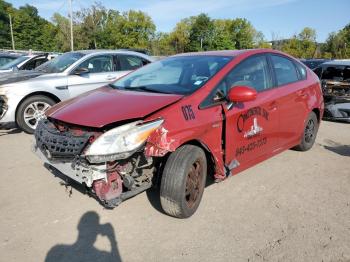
(183, 181)
(309, 134)
(31, 110)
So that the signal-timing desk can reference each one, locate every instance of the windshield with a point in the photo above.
(60, 63)
(14, 63)
(174, 75)
(336, 73)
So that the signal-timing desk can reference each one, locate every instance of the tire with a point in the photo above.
(183, 181)
(31, 110)
(309, 134)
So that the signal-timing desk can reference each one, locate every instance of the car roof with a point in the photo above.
(9, 55)
(337, 63)
(108, 51)
(232, 53)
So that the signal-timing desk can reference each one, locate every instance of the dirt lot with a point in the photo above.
(294, 207)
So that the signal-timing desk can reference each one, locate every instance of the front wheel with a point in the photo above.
(310, 132)
(31, 110)
(183, 181)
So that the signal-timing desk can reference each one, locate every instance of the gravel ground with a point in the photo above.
(293, 207)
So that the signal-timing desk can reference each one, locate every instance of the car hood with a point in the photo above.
(18, 76)
(106, 105)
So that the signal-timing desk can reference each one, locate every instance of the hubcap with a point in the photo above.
(193, 183)
(35, 112)
(309, 131)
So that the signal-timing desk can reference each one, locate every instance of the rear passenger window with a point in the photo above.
(128, 62)
(285, 70)
(301, 70)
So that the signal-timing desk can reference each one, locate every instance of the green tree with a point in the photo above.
(5, 35)
(222, 35)
(90, 23)
(338, 44)
(243, 33)
(180, 36)
(302, 45)
(62, 37)
(28, 28)
(201, 34)
(162, 44)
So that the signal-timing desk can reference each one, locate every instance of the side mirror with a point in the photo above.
(241, 94)
(81, 71)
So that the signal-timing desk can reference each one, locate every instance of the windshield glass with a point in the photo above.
(60, 63)
(14, 63)
(174, 75)
(336, 73)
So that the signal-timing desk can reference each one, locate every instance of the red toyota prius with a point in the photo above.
(176, 121)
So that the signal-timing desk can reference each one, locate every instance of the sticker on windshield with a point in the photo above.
(198, 82)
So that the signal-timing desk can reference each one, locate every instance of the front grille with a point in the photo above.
(59, 145)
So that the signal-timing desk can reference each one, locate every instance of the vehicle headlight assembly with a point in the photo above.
(121, 142)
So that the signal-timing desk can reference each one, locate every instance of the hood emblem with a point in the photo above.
(254, 130)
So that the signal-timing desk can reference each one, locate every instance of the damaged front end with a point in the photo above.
(111, 164)
(337, 100)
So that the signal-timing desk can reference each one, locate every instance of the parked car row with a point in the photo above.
(15, 62)
(26, 95)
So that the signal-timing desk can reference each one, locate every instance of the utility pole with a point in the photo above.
(12, 40)
(71, 25)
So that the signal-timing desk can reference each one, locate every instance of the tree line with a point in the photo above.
(100, 28)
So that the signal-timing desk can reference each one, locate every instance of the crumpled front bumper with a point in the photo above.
(83, 174)
(337, 111)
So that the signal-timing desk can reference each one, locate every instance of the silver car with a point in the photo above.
(26, 95)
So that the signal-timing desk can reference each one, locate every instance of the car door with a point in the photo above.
(127, 63)
(251, 128)
(100, 70)
(292, 100)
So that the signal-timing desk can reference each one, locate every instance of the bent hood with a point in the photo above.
(106, 105)
(18, 76)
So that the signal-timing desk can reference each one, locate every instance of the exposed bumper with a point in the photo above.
(337, 111)
(83, 174)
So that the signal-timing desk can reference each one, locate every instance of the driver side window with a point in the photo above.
(98, 64)
(252, 72)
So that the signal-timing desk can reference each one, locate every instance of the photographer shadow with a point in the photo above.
(83, 249)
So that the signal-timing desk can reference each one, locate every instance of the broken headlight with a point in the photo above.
(120, 142)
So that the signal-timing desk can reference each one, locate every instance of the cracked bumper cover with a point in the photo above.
(81, 174)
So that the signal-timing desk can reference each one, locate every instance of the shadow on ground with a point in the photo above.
(5, 132)
(83, 249)
(343, 150)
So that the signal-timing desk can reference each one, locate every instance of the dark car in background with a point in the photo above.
(6, 58)
(335, 81)
(26, 62)
(313, 63)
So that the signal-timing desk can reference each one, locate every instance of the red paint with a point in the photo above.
(107, 105)
(280, 113)
(242, 94)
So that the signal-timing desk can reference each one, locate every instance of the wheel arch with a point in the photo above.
(211, 164)
(43, 93)
(318, 114)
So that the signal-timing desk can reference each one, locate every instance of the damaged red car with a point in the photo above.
(177, 121)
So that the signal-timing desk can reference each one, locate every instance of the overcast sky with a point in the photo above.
(281, 18)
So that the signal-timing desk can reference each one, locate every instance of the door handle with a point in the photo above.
(111, 77)
(272, 106)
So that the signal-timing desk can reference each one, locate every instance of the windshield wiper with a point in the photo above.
(144, 88)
